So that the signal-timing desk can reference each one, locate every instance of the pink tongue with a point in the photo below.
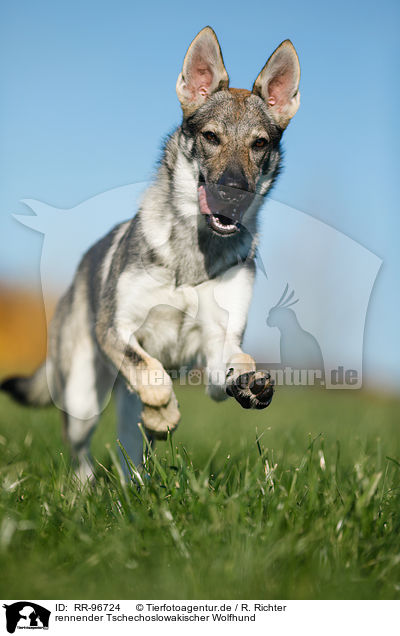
(204, 209)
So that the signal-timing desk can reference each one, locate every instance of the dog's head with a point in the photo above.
(235, 133)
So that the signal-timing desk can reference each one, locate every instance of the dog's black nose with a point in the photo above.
(233, 186)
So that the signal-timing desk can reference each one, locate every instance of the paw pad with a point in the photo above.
(252, 390)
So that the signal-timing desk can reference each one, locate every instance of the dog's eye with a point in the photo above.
(259, 143)
(211, 137)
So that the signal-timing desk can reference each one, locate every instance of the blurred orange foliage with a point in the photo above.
(23, 330)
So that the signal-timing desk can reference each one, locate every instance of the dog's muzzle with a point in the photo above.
(224, 203)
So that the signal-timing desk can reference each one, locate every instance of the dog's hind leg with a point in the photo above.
(86, 387)
(129, 414)
(78, 434)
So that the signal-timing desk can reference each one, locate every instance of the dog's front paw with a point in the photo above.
(253, 390)
(158, 421)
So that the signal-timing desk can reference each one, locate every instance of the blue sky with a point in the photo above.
(88, 92)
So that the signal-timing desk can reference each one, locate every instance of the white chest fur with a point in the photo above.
(178, 325)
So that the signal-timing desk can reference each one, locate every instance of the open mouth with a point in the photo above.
(213, 210)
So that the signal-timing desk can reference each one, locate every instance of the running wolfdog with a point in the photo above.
(172, 286)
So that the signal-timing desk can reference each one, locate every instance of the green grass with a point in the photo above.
(310, 511)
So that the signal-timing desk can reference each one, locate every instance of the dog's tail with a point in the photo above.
(30, 391)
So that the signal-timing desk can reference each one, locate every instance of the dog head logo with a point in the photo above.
(26, 615)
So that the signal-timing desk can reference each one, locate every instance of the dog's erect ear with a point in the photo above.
(278, 83)
(203, 72)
